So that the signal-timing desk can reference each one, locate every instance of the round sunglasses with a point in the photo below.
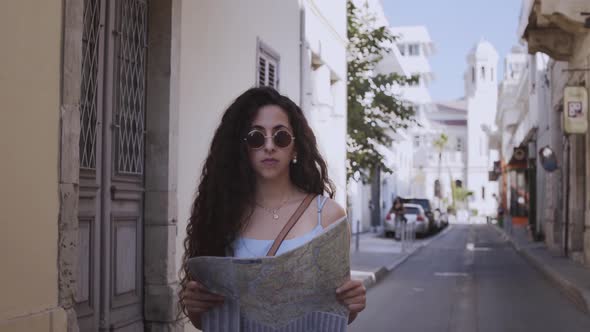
(256, 139)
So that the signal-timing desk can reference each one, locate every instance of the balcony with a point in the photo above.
(550, 26)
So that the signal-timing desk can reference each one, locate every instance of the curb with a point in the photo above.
(579, 297)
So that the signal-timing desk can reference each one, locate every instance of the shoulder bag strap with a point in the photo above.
(287, 228)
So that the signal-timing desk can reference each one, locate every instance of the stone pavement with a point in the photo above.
(572, 278)
(377, 255)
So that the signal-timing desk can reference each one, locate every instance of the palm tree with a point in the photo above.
(440, 145)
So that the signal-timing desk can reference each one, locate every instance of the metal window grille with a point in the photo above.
(131, 87)
(89, 88)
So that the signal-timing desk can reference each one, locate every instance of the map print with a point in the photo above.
(294, 291)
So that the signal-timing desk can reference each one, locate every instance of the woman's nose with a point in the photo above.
(269, 144)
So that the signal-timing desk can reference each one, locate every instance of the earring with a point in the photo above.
(295, 160)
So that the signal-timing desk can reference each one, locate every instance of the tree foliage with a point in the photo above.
(441, 142)
(459, 195)
(375, 112)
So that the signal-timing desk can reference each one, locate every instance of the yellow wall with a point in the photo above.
(30, 32)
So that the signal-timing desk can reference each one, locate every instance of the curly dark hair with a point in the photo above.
(225, 196)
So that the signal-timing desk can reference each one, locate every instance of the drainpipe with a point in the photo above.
(567, 195)
(302, 58)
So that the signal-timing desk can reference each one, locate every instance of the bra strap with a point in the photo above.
(321, 201)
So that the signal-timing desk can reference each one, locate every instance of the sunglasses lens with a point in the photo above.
(255, 139)
(282, 139)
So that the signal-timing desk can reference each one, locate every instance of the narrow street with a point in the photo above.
(468, 279)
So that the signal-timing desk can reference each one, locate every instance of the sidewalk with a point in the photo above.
(570, 277)
(377, 256)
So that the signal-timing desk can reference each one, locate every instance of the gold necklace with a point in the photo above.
(273, 212)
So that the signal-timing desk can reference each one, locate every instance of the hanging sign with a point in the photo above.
(575, 110)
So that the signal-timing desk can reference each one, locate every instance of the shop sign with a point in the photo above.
(575, 110)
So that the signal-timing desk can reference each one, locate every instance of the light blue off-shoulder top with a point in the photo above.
(248, 248)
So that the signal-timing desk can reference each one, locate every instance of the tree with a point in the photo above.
(440, 143)
(460, 195)
(374, 110)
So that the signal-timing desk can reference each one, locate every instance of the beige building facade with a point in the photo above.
(86, 125)
(29, 129)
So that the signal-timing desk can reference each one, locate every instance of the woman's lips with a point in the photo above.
(269, 162)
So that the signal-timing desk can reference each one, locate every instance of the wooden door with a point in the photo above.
(110, 289)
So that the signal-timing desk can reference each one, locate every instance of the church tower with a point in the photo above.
(481, 92)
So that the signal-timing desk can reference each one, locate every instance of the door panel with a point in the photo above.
(126, 164)
(89, 204)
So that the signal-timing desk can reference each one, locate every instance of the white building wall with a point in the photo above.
(217, 62)
(324, 83)
(482, 104)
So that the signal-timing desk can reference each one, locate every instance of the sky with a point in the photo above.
(455, 26)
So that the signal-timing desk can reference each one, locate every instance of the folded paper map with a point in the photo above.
(294, 291)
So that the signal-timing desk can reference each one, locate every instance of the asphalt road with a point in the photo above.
(468, 279)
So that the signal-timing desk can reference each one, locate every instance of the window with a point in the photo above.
(413, 49)
(492, 73)
(483, 192)
(483, 72)
(267, 67)
(459, 144)
(417, 141)
(473, 74)
(402, 49)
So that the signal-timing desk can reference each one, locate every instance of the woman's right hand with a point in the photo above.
(197, 299)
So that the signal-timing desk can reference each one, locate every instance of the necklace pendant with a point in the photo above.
(275, 216)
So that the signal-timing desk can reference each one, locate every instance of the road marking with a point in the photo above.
(451, 274)
(471, 247)
(418, 289)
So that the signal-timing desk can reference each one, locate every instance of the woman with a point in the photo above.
(398, 210)
(262, 163)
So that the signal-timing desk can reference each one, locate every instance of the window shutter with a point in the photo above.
(261, 71)
(271, 75)
(268, 66)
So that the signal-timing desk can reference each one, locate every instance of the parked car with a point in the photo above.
(425, 204)
(441, 219)
(444, 218)
(415, 215)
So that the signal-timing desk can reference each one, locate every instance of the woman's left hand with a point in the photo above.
(353, 295)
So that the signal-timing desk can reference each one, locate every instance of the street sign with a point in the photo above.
(575, 110)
